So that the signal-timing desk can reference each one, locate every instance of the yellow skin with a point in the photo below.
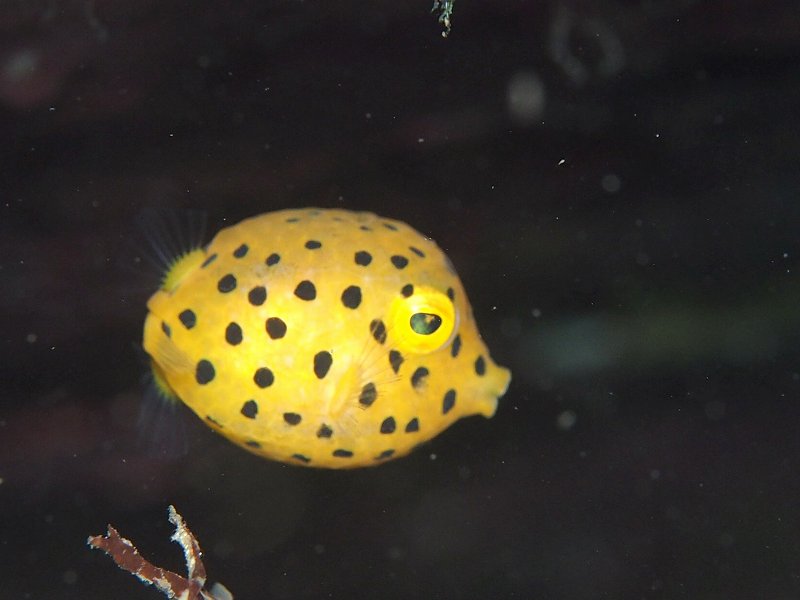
(337, 381)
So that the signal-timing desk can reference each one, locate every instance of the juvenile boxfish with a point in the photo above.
(325, 338)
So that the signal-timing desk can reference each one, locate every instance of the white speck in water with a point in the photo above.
(31, 338)
(536, 312)
(433, 456)
(562, 161)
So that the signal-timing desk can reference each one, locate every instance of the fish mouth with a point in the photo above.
(500, 380)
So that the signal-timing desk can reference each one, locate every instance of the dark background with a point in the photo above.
(617, 184)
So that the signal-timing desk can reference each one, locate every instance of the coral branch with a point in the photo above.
(127, 557)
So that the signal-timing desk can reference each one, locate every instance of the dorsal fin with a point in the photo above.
(174, 242)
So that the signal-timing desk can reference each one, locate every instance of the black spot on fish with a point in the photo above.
(263, 377)
(305, 290)
(233, 334)
(276, 328)
(388, 425)
(292, 418)
(363, 258)
(257, 296)
(322, 363)
(188, 318)
(368, 394)
(378, 330)
(395, 359)
(250, 409)
(351, 297)
(449, 401)
(399, 262)
(418, 378)
(480, 366)
(204, 372)
(227, 283)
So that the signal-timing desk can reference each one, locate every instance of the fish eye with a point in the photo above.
(423, 322)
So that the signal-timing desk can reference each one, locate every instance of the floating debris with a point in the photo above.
(171, 584)
(445, 8)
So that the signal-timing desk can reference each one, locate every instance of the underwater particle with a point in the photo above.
(352, 343)
(610, 183)
(525, 98)
(566, 420)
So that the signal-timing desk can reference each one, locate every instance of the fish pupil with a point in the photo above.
(425, 323)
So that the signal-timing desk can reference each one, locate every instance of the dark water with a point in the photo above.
(617, 186)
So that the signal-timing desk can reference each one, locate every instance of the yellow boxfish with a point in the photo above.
(324, 338)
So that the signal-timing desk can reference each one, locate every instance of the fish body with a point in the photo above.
(321, 337)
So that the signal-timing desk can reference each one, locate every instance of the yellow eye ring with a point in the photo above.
(423, 322)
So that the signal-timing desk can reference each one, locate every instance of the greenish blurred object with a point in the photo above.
(445, 8)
